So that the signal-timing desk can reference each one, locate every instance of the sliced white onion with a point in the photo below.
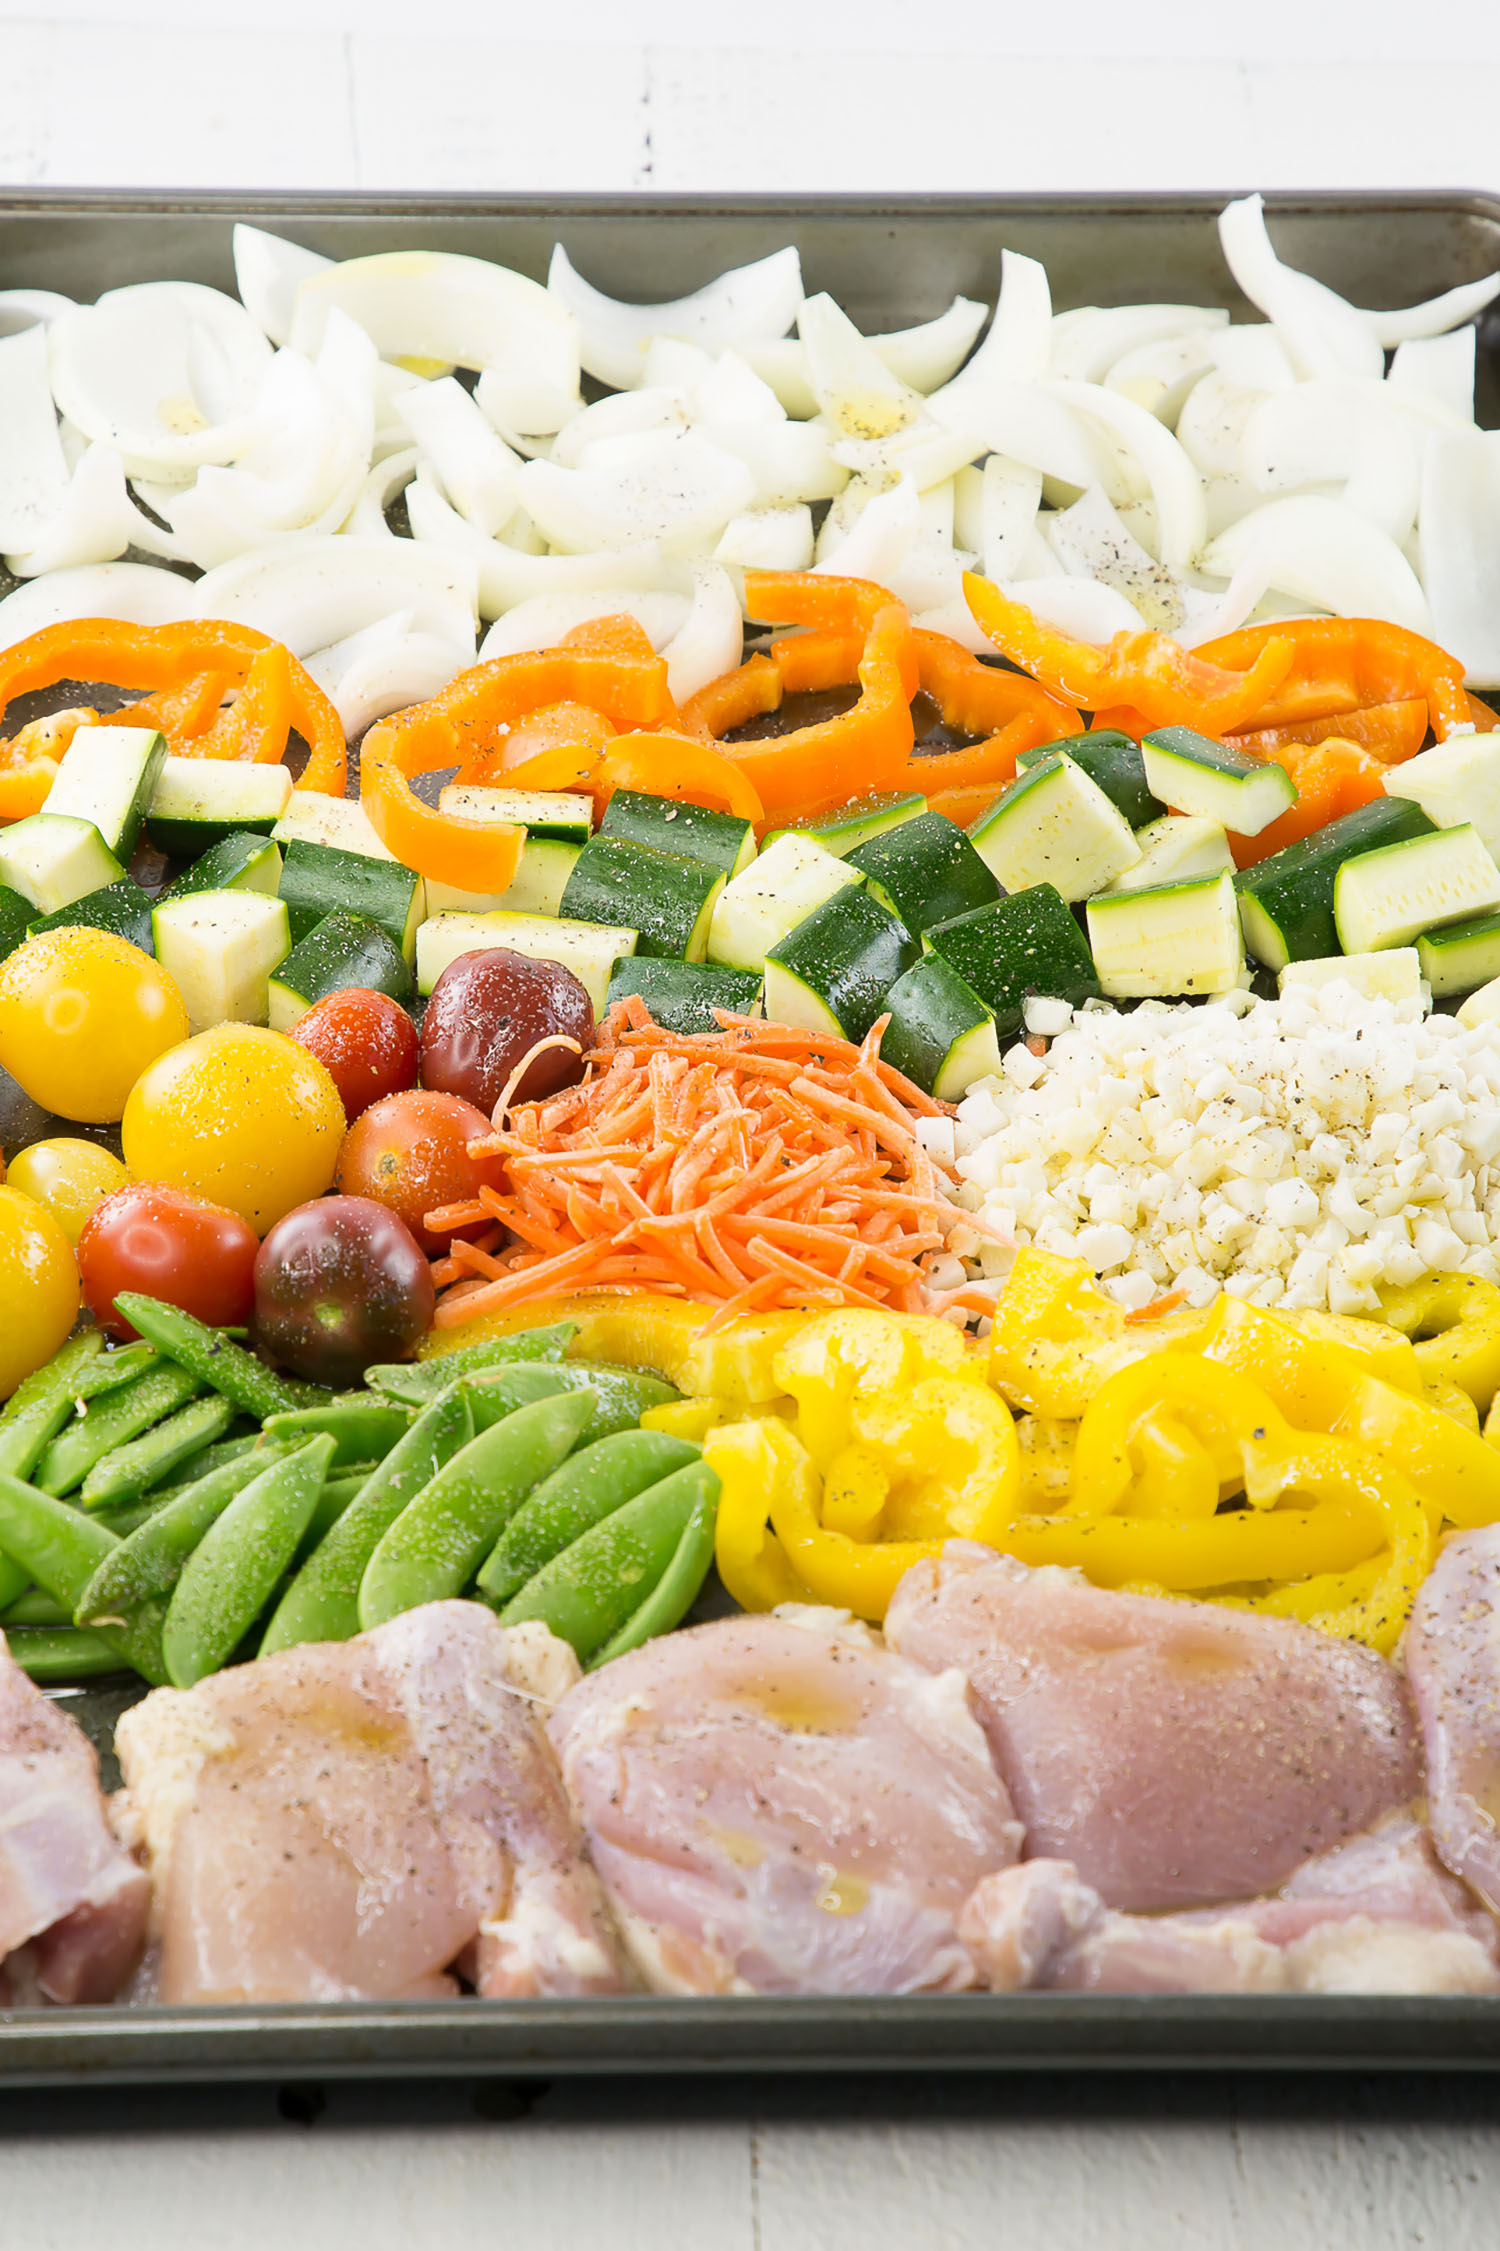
(165, 372)
(1324, 553)
(1331, 433)
(378, 488)
(464, 312)
(623, 415)
(938, 504)
(672, 365)
(729, 390)
(1437, 371)
(1211, 428)
(789, 461)
(955, 621)
(880, 541)
(1459, 544)
(1323, 332)
(676, 489)
(1210, 616)
(742, 306)
(312, 592)
(926, 453)
(1404, 324)
(268, 272)
(854, 388)
(506, 573)
(1252, 355)
(30, 308)
(1026, 423)
(1090, 541)
(933, 352)
(1175, 484)
(384, 667)
(1078, 607)
(92, 523)
(541, 622)
(1159, 376)
(33, 470)
(474, 466)
(768, 539)
(781, 361)
(710, 640)
(1016, 350)
(995, 508)
(1088, 347)
(1038, 557)
(135, 593)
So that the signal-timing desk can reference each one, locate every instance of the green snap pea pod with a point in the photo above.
(322, 1602)
(592, 1594)
(148, 1562)
(111, 1369)
(622, 1395)
(38, 1407)
(112, 1421)
(50, 1654)
(497, 1395)
(421, 1380)
(34, 1608)
(61, 1549)
(363, 1429)
(678, 1588)
(211, 1458)
(442, 1536)
(215, 1359)
(591, 1484)
(229, 1577)
(125, 1472)
(338, 1494)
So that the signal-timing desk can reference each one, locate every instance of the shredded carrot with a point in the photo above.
(1159, 1307)
(753, 1168)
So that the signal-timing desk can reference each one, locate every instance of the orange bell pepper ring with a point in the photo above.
(1332, 778)
(1391, 732)
(1343, 664)
(671, 766)
(1166, 684)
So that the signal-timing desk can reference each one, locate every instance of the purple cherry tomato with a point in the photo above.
(488, 1011)
(339, 1285)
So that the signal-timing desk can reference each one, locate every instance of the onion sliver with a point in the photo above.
(33, 468)
(166, 372)
(541, 622)
(311, 592)
(1016, 350)
(1460, 550)
(767, 539)
(671, 487)
(854, 388)
(1323, 332)
(505, 574)
(1320, 551)
(268, 272)
(384, 667)
(1176, 487)
(710, 640)
(741, 307)
(1087, 343)
(474, 466)
(995, 509)
(135, 593)
(91, 524)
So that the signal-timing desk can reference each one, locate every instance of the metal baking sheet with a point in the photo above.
(889, 262)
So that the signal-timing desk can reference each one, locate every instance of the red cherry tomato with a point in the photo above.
(411, 1153)
(365, 1041)
(170, 1245)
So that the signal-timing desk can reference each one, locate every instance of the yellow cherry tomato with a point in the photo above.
(242, 1116)
(82, 1014)
(39, 1292)
(69, 1177)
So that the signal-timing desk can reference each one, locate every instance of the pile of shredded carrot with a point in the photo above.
(753, 1168)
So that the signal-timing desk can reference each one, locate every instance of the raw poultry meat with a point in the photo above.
(69, 1895)
(348, 1820)
(1378, 1915)
(1452, 1652)
(778, 1804)
(1174, 1753)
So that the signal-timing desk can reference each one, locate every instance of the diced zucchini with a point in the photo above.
(1174, 850)
(540, 882)
(693, 832)
(1454, 782)
(108, 776)
(122, 907)
(244, 861)
(587, 948)
(560, 814)
(769, 898)
(832, 973)
(221, 947)
(1026, 945)
(1054, 825)
(1460, 957)
(1184, 938)
(16, 917)
(199, 801)
(940, 1035)
(1193, 774)
(1112, 760)
(343, 950)
(316, 878)
(668, 901)
(682, 995)
(1482, 1007)
(925, 871)
(54, 858)
(1395, 975)
(1390, 896)
(343, 823)
(1286, 901)
(855, 823)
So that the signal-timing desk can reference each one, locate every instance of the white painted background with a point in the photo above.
(686, 94)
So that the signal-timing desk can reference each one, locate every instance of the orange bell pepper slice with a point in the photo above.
(669, 766)
(1160, 680)
(1342, 664)
(1333, 777)
(749, 692)
(1390, 732)
(259, 718)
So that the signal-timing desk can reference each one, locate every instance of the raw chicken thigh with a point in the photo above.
(778, 1804)
(347, 1820)
(1173, 1753)
(69, 1894)
(1452, 1653)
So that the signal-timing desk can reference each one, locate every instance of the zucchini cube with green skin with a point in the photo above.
(244, 861)
(540, 881)
(767, 900)
(122, 908)
(1173, 850)
(926, 871)
(940, 1036)
(1391, 896)
(1460, 957)
(1286, 900)
(1454, 782)
(108, 775)
(694, 832)
(855, 823)
(16, 917)
(1193, 774)
(311, 817)
(563, 815)
(221, 947)
(1055, 825)
(54, 858)
(1025, 946)
(344, 949)
(681, 996)
(666, 900)
(832, 973)
(197, 802)
(1112, 760)
(588, 949)
(1168, 944)
(316, 878)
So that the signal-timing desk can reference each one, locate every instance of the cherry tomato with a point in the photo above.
(340, 1284)
(242, 1116)
(38, 1287)
(82, 1014)
(168, 1245)
(411, 1154)
(365, 1041)
(487, 1013)
(72, 1178)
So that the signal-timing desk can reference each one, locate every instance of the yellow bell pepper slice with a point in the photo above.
(752, 1460)
(1454, 1322)
(1192, 1555)
(1358, 1606)
(1056, 1336)
(1173, 1419)
(1388, 1352)
(1047, 1449)
(833, 1362)
(1452, 1400)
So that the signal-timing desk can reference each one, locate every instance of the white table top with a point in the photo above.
(345, 93)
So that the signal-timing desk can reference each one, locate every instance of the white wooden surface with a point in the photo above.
(826, 94)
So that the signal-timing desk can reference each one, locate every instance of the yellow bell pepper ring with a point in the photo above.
(1193, 1555)
(1332, 1471)
(1454, 1323)
(832, 1363)
(1174, 1416)
(1056, 1336)
(751, 1460)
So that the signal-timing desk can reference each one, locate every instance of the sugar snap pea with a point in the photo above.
(421, 1380)
(338, 1493)
(442, 1536)
(125, 1472)
(500, 1393)
(592, 1593)
(34, 1608)
(591, 1483)
(149, 1561)
(215, 1359)
(112, 1421)
(677, 1589)
(322, 1602)
(111, 1369)
(621, 1395)
(212, 1457)
(363, 1428)
(61, 1549)
(61, 1653)
(39, 1406)
(228, 1579)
